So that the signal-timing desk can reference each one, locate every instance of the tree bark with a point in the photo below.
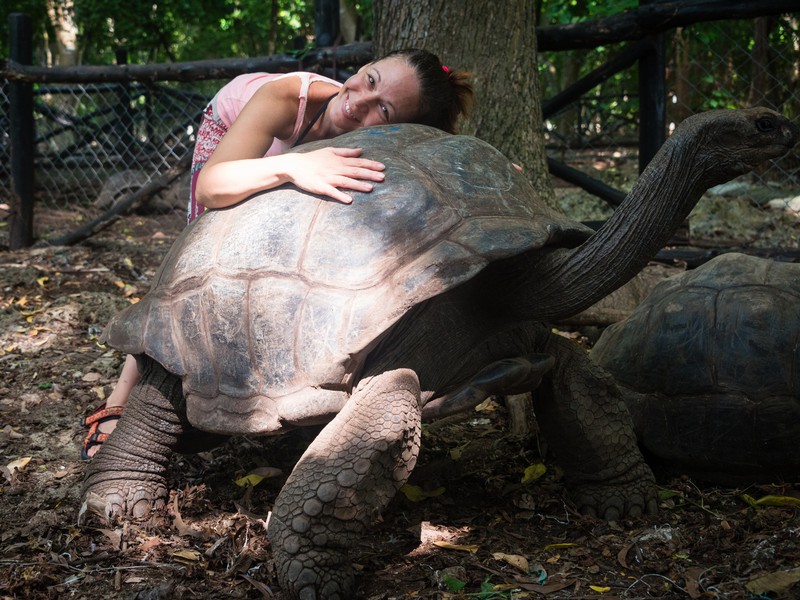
(498, 46)
(761, 65)
(62, 18)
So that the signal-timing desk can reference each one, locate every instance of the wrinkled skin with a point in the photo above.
(473, 332)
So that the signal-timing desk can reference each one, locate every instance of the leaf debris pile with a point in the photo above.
(466, 526)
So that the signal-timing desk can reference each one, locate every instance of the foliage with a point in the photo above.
(709, 65)
(176, 30)
(179, 30)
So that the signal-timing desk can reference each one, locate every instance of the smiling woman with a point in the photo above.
(249, 128)
(252, 123)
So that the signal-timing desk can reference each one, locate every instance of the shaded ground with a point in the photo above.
(462, 543)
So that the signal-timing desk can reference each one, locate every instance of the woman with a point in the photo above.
(244, 146)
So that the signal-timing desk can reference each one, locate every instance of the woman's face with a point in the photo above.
(386, 91)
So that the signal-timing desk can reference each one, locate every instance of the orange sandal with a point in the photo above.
(93, 421)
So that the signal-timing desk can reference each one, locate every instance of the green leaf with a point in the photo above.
(533, 472)
(777, 501)
(453, 584)
(417, 494)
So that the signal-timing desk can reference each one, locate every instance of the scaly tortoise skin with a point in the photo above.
(420, 299)
(713, 355)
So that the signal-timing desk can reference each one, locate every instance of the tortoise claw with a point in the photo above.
(615, 501)
(140, 501)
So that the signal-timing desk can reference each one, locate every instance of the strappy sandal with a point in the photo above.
(95, 437)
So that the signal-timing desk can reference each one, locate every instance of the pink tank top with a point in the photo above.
(222, 111)
(230, 100)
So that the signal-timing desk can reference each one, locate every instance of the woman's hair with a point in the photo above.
(444, 94)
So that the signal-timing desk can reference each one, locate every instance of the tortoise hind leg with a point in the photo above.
(126, 477)
(342, 482)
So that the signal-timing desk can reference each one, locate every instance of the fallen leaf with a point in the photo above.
(533, 472)
(622, 555)
(559, 545)
(453, 584)
(8, 432)
(515, 560)
(187, 556)
(180, 524)
(692, 577)
(600, 589)
(19, 464)
(62, 473)
(115, 537)
(267, 472)
(778, 582)
(249, 480)
(457, 453)
(473, 548)
(150, 543)
(256, 476)
(91, 377)
(778, 501)
(664, 494)
(548, 588)
(417, 494)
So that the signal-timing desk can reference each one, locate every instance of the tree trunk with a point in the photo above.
(62, 18)
(682, 74)
(497, 44)
(763, 76)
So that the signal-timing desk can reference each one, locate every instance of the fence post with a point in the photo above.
(21, 134)
(326, 29)
(652, 98)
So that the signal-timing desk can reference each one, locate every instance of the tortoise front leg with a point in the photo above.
(583, 417)
(343, 482)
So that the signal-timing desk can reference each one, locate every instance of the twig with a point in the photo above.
(142, 195)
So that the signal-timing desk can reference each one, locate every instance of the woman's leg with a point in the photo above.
(113, 407)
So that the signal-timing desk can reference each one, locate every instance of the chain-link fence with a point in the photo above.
(722, 64)
(97, 143)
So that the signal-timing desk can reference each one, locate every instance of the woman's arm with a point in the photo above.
(237, 168)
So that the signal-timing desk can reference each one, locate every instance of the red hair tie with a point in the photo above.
(446, 70)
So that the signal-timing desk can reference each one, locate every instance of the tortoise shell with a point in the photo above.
(716, 353)
(267, 310)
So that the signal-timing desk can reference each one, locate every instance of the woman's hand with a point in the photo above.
(329, 170)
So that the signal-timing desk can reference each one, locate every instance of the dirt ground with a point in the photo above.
(475, 530)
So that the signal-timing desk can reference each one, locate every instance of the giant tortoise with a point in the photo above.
(712, 357)
(419, 299)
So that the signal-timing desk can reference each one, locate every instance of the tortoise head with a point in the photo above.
(729, 143)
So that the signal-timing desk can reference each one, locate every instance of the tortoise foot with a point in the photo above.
(314, 574)
(633, 496)
(138, 500)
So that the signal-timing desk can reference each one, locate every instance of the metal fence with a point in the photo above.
(95, 143)
(722, 64)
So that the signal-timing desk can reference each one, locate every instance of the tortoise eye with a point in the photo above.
(765, 124)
